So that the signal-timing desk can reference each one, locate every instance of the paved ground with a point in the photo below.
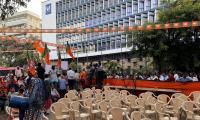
(3, 115)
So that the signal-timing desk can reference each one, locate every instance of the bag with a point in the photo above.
(18, 102)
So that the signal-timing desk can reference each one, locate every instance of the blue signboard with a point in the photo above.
(48, 9)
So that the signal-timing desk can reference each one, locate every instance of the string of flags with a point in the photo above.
(106, 29)
(88, 30)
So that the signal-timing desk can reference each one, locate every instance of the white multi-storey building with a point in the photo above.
(22, 20)
(102, 46)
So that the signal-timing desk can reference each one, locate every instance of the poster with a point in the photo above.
(64, 65)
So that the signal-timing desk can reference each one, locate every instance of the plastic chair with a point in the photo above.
(103, 108)
(115, 114)
(163, 98)
(57, 111)
(65, 101)
(136, 115)
(189, 107)
(78, 111)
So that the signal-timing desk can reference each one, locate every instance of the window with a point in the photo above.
(99, 46)
(129, 10)
(148, 7)
(123, 12)
(108, 45)
(113, 44)
(141, 6)
(118, 43)
(135, 9)
(155, 3)
(103, 45)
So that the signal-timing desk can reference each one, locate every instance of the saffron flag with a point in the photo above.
(31, 63)
(59, 58)
(69, 51)
(46, 55)
(39, 46)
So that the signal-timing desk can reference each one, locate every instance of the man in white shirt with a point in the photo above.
(18, 73)
(176, 76)
(71, 78)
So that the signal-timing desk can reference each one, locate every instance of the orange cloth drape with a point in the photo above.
(186, 88)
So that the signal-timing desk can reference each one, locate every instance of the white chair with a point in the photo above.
(103, 108)
(57, 111)
(71, 95)
(105, 88)
(136, 115)
(78, 113)
(115, 114)
(162, 115)
(89, 103)
(163, 98)
(195, 96)
(65, 101)
(44, 117)
(189, 108)
(181, 96)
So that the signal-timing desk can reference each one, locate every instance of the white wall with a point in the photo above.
(49, 20)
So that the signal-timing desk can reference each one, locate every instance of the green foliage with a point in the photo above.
(74, 66)
(9, 7)
(17, 55)
(112, 67)
(172, 49)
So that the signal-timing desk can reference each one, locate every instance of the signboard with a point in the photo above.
(48, 9)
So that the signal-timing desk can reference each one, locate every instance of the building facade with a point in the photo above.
(49, 20)
(22, 20)
(103, 46)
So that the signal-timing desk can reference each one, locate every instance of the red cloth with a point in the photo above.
(186, 87)
(47, 103)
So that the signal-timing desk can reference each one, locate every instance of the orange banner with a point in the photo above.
(186, 87)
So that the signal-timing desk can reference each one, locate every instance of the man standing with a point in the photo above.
(53, 76)
(71, 78)
(40, 71)
(100, 76)
(18, 73)
(83, 78)
(36, 94)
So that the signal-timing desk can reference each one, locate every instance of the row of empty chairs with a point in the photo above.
(108, 104)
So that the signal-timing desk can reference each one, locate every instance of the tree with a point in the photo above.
(172, 49)
(13, 54)
(112, 67)
(9, 7)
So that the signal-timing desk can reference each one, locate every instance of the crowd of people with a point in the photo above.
(56, 83)
(171, 77)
